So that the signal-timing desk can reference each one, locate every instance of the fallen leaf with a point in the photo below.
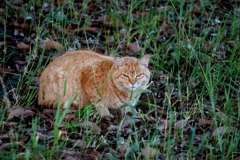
(8, 124)
(19, 9)
(42, 137)
(18, 112)
(92, 30)
(160, 111)
(61, 2)
(110, 156)
(238, 158)
(121, 140)
(112, 127)
(21, 45)
(20, 62)
(110, 22)
(166, 26)
(7, 146)
(6, 70)
(17, 2)
(149, 152)
(25, 26)
(163, 125)
(222, 116)
(63, 132)
(220, 131)
(134, 47)
(48, 44)
(91, 126)
(180, 124)
(70, 158)
(78, 143)
(4, 136)
(143, 13)
(128, 122)
(95, 155)
(204, 122)
(2, 10)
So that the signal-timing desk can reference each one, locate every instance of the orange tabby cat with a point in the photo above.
(87, 77)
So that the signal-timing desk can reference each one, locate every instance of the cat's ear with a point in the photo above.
(118, 62)
(144, 61)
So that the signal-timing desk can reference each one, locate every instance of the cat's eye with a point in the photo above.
(124, 75)
(139, 75)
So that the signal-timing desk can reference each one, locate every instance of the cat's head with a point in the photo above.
(131, 73)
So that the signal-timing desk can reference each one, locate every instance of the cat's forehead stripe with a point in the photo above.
(131, 64)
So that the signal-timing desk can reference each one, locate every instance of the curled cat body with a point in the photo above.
(85, 77)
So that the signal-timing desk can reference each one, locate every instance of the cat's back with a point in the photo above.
(81, 56)
(76, 59)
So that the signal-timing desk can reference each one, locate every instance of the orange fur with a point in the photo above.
(91, 78)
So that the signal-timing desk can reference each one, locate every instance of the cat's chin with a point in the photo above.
(132, 88)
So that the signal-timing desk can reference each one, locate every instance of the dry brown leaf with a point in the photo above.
(134, 47)
(166, 26)
(69, 116)
(25, 26)
(163, 8)
(95, 155)
(48, 44)
(61, 2)
(128, 122)
(49, 111)
(238, 158)
(204, 122)
(109, 22)
(149, 152)
(180, 124)
(21, 45)
(18, 112)
(17, 2)
(222, 116)
(42, 137)
(4, 136)
(63, 132)
(92, 30)
(91, 126)
(163, 125)
(19, 9)
(7, 146)
(2, 10)
(123, 148)
(109, 156)
(159, 110)
(8, 124)
(223, 130)
(70, 158)
(6, 70)
(112, 127)
(20, 62)
(78, 143)
(143, 13)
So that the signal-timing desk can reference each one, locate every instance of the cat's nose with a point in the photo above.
(132, 82)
